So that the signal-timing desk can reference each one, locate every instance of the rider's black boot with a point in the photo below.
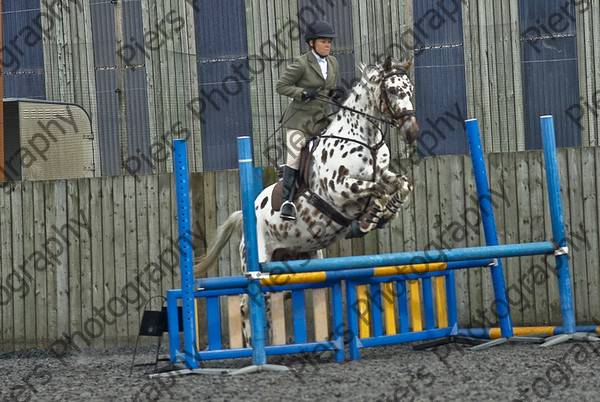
(288, 209)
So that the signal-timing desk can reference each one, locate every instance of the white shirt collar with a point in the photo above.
(322, 63)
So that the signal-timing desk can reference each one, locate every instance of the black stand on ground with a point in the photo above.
(154, 323)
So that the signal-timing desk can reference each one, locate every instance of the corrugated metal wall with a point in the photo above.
(440, 77)
(23, 57)
(134, 66)
(493, 73)
(223, 79)
(549, 63)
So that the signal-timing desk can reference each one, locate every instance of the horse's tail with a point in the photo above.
(224, 232)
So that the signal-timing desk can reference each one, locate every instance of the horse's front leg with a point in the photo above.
(397, 183)
(350, 190)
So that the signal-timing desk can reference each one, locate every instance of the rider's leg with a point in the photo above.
(296, 140)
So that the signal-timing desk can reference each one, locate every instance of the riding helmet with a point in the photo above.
(319, 29)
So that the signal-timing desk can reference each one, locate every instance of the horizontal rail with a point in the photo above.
(273, 280)
(409, 258)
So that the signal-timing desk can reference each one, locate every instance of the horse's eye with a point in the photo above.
(393, 91)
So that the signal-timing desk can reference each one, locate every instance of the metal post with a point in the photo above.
(489, 225)
(257, 302)
(186, 258)
(558, 225)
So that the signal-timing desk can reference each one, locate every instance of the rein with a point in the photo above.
(396, 116)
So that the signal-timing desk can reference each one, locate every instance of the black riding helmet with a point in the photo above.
(319, 29)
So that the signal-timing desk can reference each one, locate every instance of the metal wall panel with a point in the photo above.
(108, 122)
(550, 71)
(224, 89)
(103, 31)
(133, 50)
(138, 128)
(440, 78)
(23, 56)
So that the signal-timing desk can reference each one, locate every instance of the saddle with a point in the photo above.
(301, 188)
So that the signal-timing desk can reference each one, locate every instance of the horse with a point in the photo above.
(348, 188)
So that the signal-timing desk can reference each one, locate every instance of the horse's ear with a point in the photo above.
(408, 64)
(388, 65)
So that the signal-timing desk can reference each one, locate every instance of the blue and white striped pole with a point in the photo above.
(186, 257)
(489, 225)
(558, 225)
(257, 301)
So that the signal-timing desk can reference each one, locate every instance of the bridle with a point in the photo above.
(396, 116)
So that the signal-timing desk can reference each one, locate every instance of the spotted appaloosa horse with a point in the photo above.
(349, 189)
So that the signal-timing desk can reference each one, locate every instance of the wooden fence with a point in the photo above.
(80, 258)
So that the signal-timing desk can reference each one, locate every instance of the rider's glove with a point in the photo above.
(337, 94)
(309, 94)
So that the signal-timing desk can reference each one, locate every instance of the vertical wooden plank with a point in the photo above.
(321, 314)
(221, 194)
(458, 229)
(577, 231)
(81, 229)
(74, 266)
(512, 266)
(62, 268)
(140, 276)
(420, 205)
(15, 216)
(121, 238)
(592, 158)
(168, 253)
(524, 282)
(6, 263)
(56, 253)
(278, 334)
(109, 256)
(234, 319)
(25, 268)
(153, 273)
(39, 265)
(234, 204)
(473, 221)
(538, 273)
(129, 285)
(210, 218)
(97, 265)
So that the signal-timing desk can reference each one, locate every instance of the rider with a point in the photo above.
(310, 76)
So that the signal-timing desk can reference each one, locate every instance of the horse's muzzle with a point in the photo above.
(410, 128)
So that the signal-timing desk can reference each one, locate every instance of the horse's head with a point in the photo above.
(395, 91)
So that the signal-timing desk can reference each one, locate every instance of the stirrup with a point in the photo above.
(288, 211)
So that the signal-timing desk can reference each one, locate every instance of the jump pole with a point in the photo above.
(185, 253)
(559, 236)
(489, 225)
(258, 319)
